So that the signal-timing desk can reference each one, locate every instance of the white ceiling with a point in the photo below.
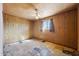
(26, 10)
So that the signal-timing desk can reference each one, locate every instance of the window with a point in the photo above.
(47, 25)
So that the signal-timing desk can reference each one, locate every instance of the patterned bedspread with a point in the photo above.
(27, 48)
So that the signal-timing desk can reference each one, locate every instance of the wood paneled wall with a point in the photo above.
(78, 27)
(16, 29)
(65, 29)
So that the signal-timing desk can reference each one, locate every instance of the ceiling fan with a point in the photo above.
(37, 16)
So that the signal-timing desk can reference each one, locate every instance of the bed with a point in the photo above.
(26, 48)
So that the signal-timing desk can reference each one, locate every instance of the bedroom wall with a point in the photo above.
(65, 29)
(78, 27)
(16, 28)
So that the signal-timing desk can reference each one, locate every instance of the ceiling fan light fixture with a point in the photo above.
(36, 17)
(36, 14)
